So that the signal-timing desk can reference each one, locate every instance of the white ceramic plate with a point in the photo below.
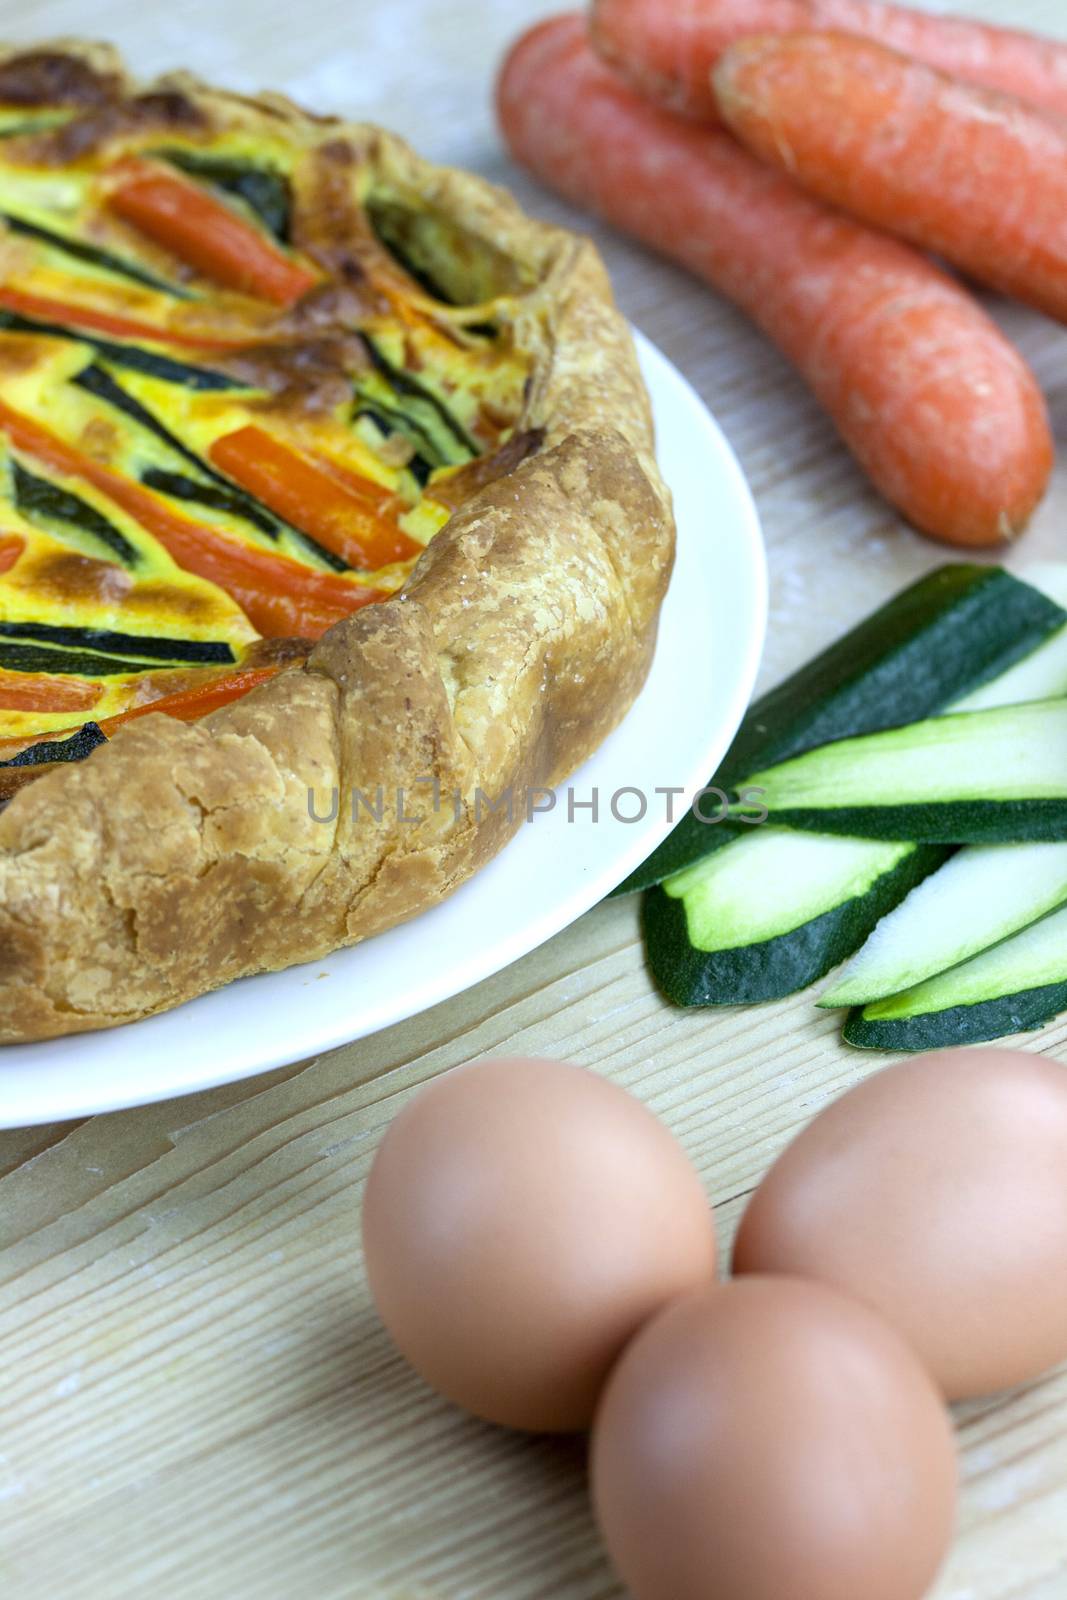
(708, 653)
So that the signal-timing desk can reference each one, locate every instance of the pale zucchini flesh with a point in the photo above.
(802, 943)
(769, 911)
(959, 628)
(971, 777)
(1017, 985)
(982, 895)
(762, 886)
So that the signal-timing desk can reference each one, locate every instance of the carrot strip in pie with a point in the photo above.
(206, 233)
(68, 315)
(377, 493)
(11, 547)
(280, 597)
(190, 704)
(312, 499)
(39, 691)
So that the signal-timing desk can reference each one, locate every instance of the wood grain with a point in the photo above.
(198, 1401)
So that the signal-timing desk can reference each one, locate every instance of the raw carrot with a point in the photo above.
(932, 399)
(668, 51)
(281, 598)
(976, 177)
(206, 233)
(41, 691)
(312, 498)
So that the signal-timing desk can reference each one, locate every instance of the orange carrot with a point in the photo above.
(67, 314)
(188, 705)
(281, 598)
(376, 493)
(668, 51)
(311, 498)
(932, 399)
(976, 177)
(41, 691)
(206, 233)
(11, 547)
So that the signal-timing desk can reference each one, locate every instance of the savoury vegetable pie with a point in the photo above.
(325, 474)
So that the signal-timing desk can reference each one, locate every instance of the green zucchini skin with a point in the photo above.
(980, 897)
(131, 356)
(389, 423)
(461, 447)
(98, 382)
(997, 776)
(92, 255)
(954, 822)
(777, 967)
(202, 652)
(386, 220)
(1022, 1012)
(76, 663)
(221, 496)
(178, 486)
(940, 639)
(75, 748)
(1015, 985)
(267, 194)
(389, 222)
(41, 500)
(218, 491)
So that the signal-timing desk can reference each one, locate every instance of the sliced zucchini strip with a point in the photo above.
(760, 918)
(266, 193)
(1016, 986)
(152, 647)
(73, 748)
(429, 414)
(967, 778)
(45, 503)
(93, 255)
(214, 489)
(749, 892)
(73, 663)
(944, 637)
(134, 357)
(1042, 675)
(983, 895)
(754, 957)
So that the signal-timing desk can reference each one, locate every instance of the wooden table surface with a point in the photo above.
(197, 1398)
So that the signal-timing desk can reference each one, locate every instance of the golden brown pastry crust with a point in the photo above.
(182, 856)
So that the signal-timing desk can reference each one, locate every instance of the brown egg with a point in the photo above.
(522, 1220)
(773, 1440)
(936, 1191)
